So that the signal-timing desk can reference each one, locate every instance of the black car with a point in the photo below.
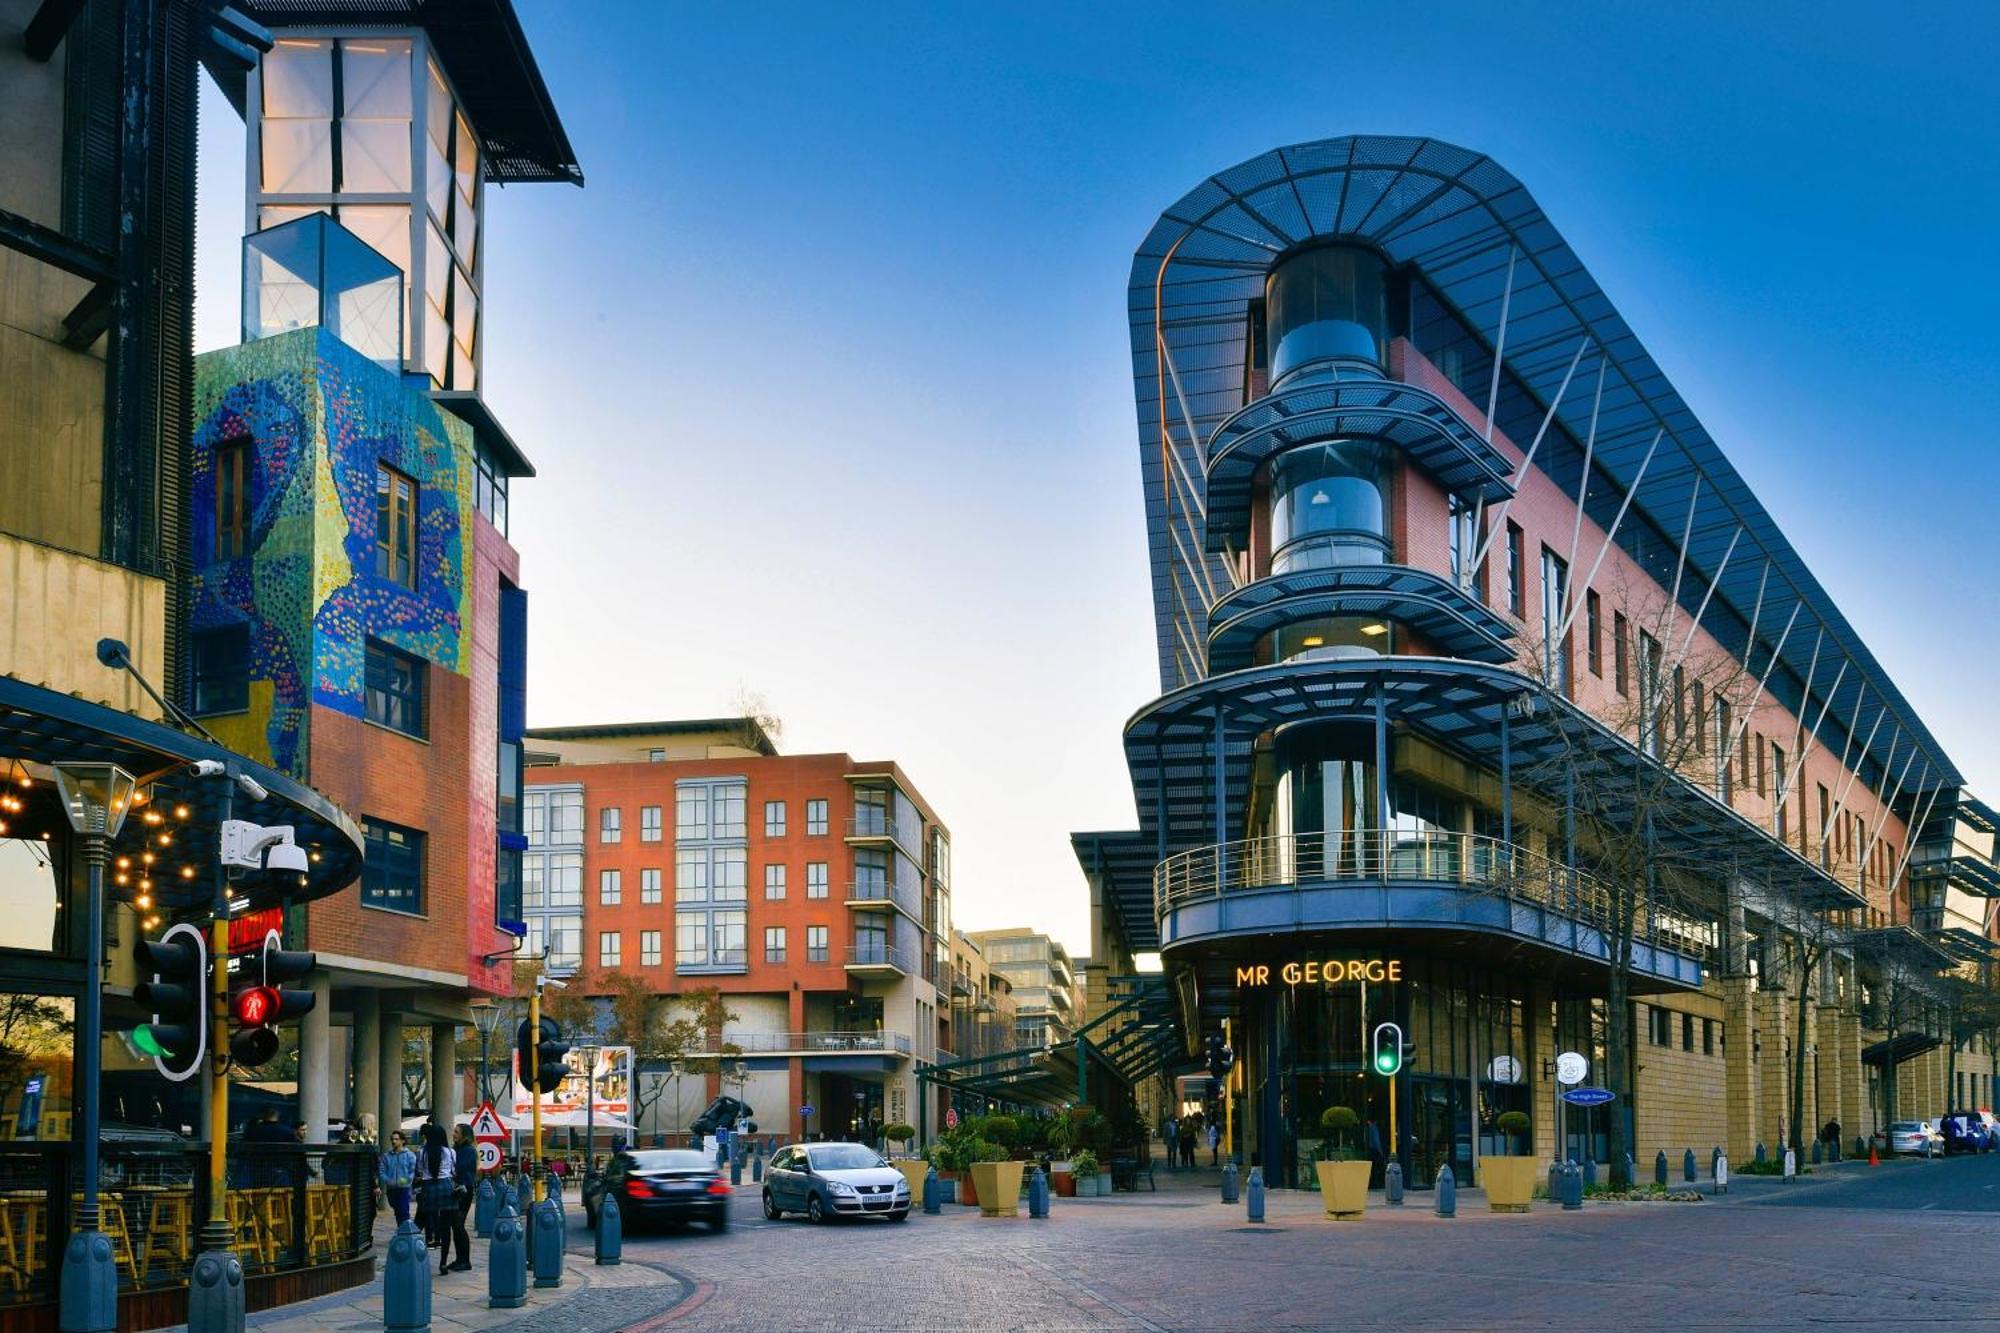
(661, 1185)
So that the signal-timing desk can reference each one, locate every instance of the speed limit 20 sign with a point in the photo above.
(488, 1154)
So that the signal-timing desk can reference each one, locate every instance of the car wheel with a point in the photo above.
(903, 1216)
(771, 1210)
(815, 1210)
(720, 1222)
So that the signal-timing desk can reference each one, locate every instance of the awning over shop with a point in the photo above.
(1138, 1036)
(1903, 1047)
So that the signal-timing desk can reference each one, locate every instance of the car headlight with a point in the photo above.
(902, 1187)
(838, 1188)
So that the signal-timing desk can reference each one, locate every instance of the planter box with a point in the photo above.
(1343, 1188)
(1085, 1186)
(1509, 1182)
(968, 1190)
(999, 1187)
(1104, 1184)
(1062, 1181)
(914, 1171)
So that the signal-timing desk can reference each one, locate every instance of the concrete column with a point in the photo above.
(389, 1065)
(1739, 1069)
(1774, 1101)
(445, 1092)
(1541, 1078)
(316, 1058)
(1833, 1103)
(367, 1032)
(1857, 1116)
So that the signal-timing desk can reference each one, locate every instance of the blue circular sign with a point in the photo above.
(806, 1110)
(1589, 1096)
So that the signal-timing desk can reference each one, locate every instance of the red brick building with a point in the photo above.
(813, 891)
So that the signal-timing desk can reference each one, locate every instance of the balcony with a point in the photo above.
(879, 960)
(881, 826)
(819, 1043)
(1464, 884)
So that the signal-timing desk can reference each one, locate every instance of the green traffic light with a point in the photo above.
(145, 1040)
(1386, 1063)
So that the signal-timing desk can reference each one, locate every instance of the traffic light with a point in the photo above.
(261, 1007)
(1220, 1056)
(543, 1059)
(1388, 1048)
(177, 1037)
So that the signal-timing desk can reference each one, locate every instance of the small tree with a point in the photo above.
(1513, 1124)
(1338, 1123)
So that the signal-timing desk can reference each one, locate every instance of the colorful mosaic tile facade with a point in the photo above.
(319, 419)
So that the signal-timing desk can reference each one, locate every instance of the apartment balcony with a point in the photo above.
(1479, 893)
(880, 827)
(821, 1043)
(877, 960)
(868, 896)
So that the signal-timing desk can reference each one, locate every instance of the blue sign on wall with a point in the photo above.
(1589, 1096)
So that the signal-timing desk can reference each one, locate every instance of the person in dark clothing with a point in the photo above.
(437, 1171)
(267, 1129)
(465, 1179)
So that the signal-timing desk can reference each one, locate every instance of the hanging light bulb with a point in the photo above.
(187, 872)
(180, 812)
(143, 901)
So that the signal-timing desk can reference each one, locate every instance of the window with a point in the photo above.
(649, 823)
(656, 756)
(1708, 1036)
(232, 499)
(395, 684)
(1620, 664)
(562, 935)
(1687, 1032)
(726, 804)
(395, 526)
(1652, 708)
(610, 824)
(610, 947)
(774, 881)
(1464, 541)
(649, 948)
(1700, 720)
(774, 944)
(1825, 819)
(1760, 765)
(649, 886)
(489, 490)
(556, 880)
(1661, 1028)
(1778, 788)
(1555, 602)
(691, 875)
(1680, 703)
(1725, 765)
(392, 868)
(691, 813)
(816, 944)
(1593, 617)
(774, 819)
(816, 819)
(610, 888)
(1516, 575)
(222, 669)
(815, 879)
(710, 940)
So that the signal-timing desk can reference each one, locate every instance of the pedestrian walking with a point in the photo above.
(1173, 1143)
(397, 1170)
(465, 1178)
(1190, 1132)
(1214, 1145)
(437, 1170)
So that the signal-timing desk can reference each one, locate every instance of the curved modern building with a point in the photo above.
(1495, 706)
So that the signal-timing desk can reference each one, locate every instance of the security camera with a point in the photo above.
(251, 787)
(208, 768)
(287, 857)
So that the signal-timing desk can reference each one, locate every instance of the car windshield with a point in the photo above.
(844, 1157)
(675, 1159)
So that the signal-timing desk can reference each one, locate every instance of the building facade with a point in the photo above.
(812, 891)
(982, 1004)
(1496, 707)
(356, 612)
(1042, 981)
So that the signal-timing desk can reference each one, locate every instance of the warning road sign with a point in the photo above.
(486, 1124)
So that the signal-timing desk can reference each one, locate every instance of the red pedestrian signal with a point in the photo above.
(259, 1008)
(255, 1006)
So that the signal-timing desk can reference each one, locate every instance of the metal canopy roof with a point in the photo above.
(1457, 623)
(40, 726)
(1461, 222)
(1169, 746)
(485, 55)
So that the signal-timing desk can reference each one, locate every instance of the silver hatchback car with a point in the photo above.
(829, 1180)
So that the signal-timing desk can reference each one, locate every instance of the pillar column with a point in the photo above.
(1833, 1103)
(1857, 1116)
(389, 1075)
(1739, 1068)
(1542, 1112)
(367, 1032)
(1774, 1082)
(445, 1092)
(316, 1058)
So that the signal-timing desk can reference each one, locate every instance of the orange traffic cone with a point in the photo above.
(1874, 1159)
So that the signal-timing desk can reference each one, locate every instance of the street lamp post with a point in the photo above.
(96, 797)
(486, 1019)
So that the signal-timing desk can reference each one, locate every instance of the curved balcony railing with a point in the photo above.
(1457, 860)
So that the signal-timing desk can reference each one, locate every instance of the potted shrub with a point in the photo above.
(1343, 1181)
(951, 1154)
(1509, 1178)
(997, 1180)
(1083, 1167)
(914, 1169)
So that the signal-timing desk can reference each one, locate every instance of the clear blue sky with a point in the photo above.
(826, 371)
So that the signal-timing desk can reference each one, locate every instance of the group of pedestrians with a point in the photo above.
(1185, 1137)
(437, 1178)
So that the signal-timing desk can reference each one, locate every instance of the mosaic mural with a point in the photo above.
(320, 418)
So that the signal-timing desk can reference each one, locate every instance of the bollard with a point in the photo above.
(1713, 1153)
(1687, 1166)
(506, 1266)
(1660, 1168)
(1791, 1164)
(1229, 1182)
(1392, 1184)
(757, 1165)
(1817, 1150)
(932, 1189)
(1254, 1195)
(735, 1166)
(406, 1283)
(1761, 1155)
(215, 1293)
(1572, 1187)
(1721, 1171)
(1038, 1194)
(610, 1230)
(485, 1207)
(545, 1244)
(1833, 1150)
(1590, 1172)
(1555, 1179)
(1447, 1193)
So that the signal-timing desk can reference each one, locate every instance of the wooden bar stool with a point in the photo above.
(274, 1211)
(253, 1242)
(12, 1268)
(111, 1221)
(169, 1230)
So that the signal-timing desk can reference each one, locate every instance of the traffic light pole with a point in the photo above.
(535, 1081)
(89, 1288)
(215, 1287)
